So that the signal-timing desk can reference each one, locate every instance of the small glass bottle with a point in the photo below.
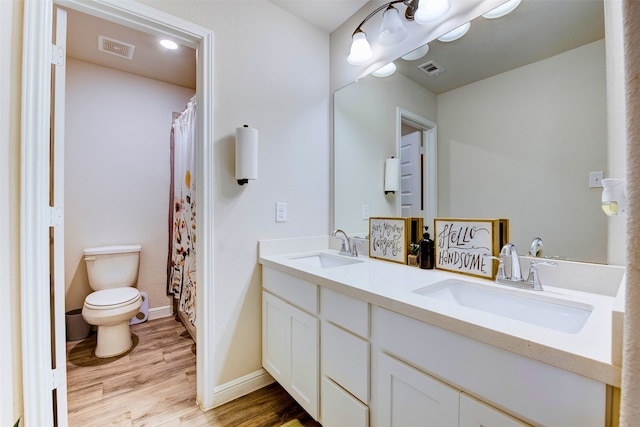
(426, 251)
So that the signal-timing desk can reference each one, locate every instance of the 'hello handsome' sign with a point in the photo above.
(462, 244)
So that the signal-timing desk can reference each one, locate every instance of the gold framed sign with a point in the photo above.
(389, 238)
(461, 244)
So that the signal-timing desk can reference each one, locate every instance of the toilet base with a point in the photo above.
(113, 340)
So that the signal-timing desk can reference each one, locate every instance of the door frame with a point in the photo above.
(430, 137)
(38, 377)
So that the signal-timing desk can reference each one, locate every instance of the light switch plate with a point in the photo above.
(281, 212)
(365, 211)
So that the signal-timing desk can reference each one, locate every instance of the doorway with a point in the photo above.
(39, 317)
(417, 148)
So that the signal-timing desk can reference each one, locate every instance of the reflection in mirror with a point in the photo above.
(520, 121)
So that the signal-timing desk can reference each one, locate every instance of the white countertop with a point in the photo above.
(391, 285)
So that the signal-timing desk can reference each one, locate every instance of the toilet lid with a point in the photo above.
(110, 297)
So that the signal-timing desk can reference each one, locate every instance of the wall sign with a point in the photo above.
(462, 243)
(389, 239)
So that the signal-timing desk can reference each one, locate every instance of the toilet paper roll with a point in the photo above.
(392, 175)
(246, 153)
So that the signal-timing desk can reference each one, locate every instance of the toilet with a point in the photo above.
(113, 274)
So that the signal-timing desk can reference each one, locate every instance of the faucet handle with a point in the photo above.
(501, 274)
(534, 279)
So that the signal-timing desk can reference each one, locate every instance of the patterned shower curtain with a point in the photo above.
(181, 264)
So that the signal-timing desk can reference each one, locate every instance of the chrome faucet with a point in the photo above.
(510, 250)
(532, 282)
(346, 248)
(536, 247)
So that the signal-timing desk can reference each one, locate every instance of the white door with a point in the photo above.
(56, 197)
(410, 175)
(410, 398)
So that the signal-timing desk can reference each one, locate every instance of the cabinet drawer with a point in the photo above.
(340, 409)
(348, 312)
(297, 291)
(345, 359)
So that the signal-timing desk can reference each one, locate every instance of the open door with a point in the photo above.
(56, 231)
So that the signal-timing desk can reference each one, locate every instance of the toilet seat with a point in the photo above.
(111, 298)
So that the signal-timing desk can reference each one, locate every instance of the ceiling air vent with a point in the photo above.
(431, 68)
(116, 47)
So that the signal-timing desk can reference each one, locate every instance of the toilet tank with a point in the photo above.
(112, 266)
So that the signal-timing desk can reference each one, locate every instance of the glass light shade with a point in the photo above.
(417, 53)
(456, 33)
(392, 31)
(502, 10)
(360, 50)
(431, 10)
(385, 71)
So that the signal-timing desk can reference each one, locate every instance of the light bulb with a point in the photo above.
(360, 50)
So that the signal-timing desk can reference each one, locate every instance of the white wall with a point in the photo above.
(271, 71)
(545, 125)
(117, 172)
(365, 136)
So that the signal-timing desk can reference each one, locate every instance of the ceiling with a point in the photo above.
(537, 29)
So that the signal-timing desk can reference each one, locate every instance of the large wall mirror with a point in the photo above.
(511, 128)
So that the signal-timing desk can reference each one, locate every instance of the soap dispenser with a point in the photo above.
(427, 255)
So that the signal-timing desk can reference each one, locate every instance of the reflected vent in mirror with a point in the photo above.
(431, 68)
(116, 47)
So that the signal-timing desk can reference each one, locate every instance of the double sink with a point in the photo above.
(533, 308)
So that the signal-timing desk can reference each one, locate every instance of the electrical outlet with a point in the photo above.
(595, 179)
(365, 211)
(281, 212)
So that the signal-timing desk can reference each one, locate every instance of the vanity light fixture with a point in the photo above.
(392, 30)
(502, 10)
(456, 33)
(385, 71)
(614, 199)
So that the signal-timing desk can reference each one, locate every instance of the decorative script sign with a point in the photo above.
(388, 239)
(461, 244)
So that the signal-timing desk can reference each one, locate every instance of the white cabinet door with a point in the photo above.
(411, 398)
(290, 350)
(474, 413)
(340, 408)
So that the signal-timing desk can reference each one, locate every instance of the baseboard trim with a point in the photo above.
(160, 312)
(241, 386)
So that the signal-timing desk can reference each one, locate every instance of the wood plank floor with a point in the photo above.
(154, 385)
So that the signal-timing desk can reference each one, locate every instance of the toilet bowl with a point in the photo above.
(113, 273)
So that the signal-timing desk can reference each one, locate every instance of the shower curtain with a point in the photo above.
(181, 262)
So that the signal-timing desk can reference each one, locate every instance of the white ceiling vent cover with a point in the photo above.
(431, 68)
(116, 47)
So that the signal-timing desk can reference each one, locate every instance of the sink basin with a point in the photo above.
(324, 260)
(552, 313)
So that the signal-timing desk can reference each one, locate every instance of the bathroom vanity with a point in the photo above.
(363, 342)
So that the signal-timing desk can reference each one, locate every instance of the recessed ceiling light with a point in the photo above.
(169, 44)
